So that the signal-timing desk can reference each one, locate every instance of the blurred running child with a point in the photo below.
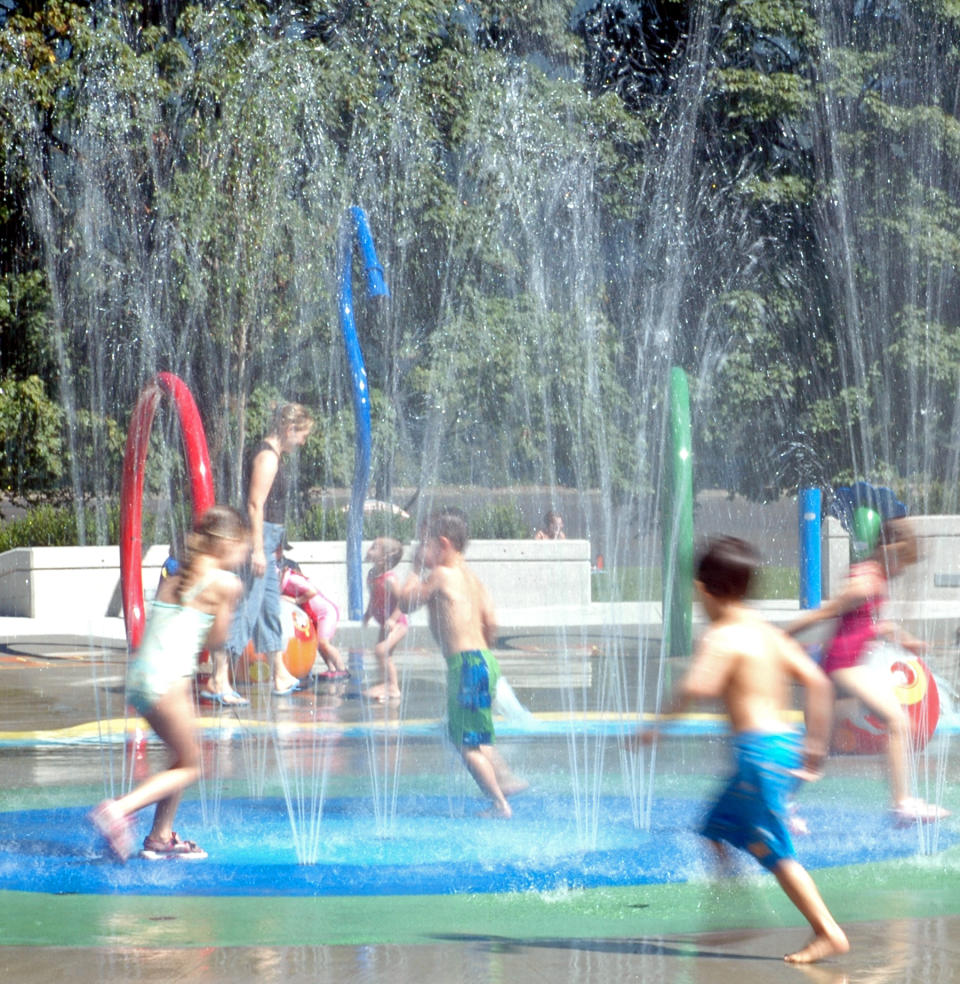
(384, 554)
(462, 621)
(859, 609)
(192, 610)
(748, 664)
(322, 611)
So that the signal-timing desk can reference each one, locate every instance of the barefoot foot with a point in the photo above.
(497, 812)
(820, 947)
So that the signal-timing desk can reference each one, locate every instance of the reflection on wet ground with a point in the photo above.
(902, 921)
(889, 952)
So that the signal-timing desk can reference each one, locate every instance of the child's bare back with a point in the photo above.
(460, 609)
(749, 664)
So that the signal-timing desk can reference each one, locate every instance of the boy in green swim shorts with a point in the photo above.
(462, 621)
(749, 664)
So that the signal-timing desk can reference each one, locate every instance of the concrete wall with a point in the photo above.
(834, 556)
(934, 578)
(925, 597)
(77, 584)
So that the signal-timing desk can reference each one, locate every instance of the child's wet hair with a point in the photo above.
(217, 525)
(450, 523)
(392, 551)
(216, 528)
(725, 567)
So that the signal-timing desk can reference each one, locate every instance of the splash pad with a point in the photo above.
(400, 854)
(376, 830)
(428, 852)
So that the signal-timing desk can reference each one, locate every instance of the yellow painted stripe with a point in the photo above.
(112, 727)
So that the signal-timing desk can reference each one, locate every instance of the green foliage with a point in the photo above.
(784, 225)
(97, 449)
(628, 583)
(383, 523)
(319, 523)
(501, 522)
(51, 525)
(42, 526)
(25, 325)
(31, 453)
(325, 523)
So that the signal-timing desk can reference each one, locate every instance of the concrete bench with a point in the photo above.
(76, 584)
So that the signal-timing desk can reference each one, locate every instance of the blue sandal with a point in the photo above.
(230, 699)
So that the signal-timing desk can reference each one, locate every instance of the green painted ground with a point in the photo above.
(853, 893)
(916, 887)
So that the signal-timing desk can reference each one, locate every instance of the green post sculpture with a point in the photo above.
(677, 522)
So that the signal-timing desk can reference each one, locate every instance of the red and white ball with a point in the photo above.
(856, 731)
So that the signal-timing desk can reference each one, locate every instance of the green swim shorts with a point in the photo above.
(471, 686)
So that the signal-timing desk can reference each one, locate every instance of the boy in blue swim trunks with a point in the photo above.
(462, 621)
(749, 665)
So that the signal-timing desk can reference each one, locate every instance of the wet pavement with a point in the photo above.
(914, 951)
(903, 920)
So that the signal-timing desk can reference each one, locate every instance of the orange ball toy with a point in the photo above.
(299, 637)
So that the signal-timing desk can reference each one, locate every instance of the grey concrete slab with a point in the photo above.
(913, 951)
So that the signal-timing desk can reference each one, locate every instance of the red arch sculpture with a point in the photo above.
(131, 486)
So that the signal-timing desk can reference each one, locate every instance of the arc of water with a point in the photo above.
(376, 287)
(131, 487)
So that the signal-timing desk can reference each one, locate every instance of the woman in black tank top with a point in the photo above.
(258, 618)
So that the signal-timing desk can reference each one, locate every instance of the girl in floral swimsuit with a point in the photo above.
(192, 611)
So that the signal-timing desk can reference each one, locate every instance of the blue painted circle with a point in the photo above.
(433, 845)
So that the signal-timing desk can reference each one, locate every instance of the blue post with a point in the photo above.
(808, 503)
(376, 287)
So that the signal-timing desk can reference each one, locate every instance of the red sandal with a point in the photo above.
(157, 849)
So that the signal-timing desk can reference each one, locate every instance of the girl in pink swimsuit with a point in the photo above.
(858, 627)
(384, 554)
(322, 611)
(858, 608)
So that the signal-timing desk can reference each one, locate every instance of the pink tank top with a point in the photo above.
(322, 611)
(381, 598)
(857, 628)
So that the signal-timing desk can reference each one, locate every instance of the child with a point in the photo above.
(462, 621)
(552, 528)
(748, 664)
(384, 554)
(858, 607)
(322, 611)
(192, 609)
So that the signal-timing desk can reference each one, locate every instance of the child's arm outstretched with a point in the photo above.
(857, 589)
(416, 590)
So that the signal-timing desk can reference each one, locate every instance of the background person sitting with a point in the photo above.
(552, 528)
